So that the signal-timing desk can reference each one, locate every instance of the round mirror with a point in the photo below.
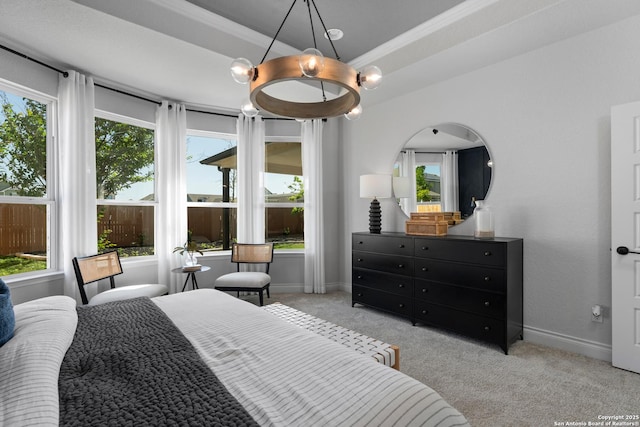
(443, 168)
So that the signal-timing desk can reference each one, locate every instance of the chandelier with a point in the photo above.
(311, 66)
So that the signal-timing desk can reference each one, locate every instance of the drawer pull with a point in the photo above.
(487, 253)
(401, 246)
(359, 295)
(487, 303)
(359, 277)
(360, 260)
(401, 305)
(487, 278)
(425, 290)
(487, 328)
(401, 286)
(425, 269)
(360, 242)
(400, 265)
(425, 248)
(425, 311)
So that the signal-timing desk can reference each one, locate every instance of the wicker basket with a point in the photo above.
(422, 227)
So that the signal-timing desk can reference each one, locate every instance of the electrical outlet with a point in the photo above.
(596, 313)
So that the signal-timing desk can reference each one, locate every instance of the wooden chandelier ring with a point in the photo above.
(287, 68)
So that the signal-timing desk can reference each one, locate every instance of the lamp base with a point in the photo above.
(375, 217)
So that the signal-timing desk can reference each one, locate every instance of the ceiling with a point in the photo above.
(366, 24)
(181, 50)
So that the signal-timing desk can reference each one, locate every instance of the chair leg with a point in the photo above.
(268, 296)
(261, 299)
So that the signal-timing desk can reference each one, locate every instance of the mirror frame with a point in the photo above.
(461, 137)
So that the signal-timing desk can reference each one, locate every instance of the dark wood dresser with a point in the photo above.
(467, 285)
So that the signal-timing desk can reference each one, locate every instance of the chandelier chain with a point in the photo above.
(325, 29)
(278, 32)
(315, 43)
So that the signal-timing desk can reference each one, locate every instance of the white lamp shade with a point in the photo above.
(375, 186)
(401, 187)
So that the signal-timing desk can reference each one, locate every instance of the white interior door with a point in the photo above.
(625, 233)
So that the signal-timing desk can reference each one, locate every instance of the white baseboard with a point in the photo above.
(587, 348)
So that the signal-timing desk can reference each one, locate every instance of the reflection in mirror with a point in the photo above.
(442, 168)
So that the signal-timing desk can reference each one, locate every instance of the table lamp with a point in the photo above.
(375, 186)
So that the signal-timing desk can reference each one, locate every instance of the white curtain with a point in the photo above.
(76, 160)
(313, 203)
(449, 181)
(251, 208)
(408, 169)
(171, 190)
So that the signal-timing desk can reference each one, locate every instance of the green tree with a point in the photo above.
(297, 188)
(23, 147)
(422, 186)
(124, 153)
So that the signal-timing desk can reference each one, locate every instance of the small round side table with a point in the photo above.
(190, 274)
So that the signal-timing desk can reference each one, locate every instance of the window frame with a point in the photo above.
(221, 205)
(50, 199)
(291, 205)
(107, 115)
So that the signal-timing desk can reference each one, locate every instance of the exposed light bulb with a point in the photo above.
(248, 109)
(242, 70)
(311, 62)
(370, 77)
(355, 113)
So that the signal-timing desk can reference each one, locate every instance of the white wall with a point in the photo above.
(546, 118)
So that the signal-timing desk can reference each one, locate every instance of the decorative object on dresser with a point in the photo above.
(431, 223)
(459, 170)
(470, 286)
(375, 186)
(484, 221)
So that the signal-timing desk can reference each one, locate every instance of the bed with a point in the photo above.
(196, 358)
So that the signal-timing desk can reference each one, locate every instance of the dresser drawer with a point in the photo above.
(484, 278)
(473, 325)
(389, 263)
(485, 303)
(393, 245)
(385, 301)
(392, 283)
(467, 251)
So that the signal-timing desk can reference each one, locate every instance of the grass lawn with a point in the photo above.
(14, 265)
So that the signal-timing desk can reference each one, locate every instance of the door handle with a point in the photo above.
(623, 250)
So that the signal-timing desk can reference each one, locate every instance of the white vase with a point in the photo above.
(484, 221)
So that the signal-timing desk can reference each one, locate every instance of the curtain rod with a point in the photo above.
(65, 74)
(430, 152)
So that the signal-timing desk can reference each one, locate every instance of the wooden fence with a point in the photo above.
(23, 227)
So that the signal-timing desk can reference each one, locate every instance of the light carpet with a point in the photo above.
(532, 386)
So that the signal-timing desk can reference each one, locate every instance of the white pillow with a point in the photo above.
(30, 361)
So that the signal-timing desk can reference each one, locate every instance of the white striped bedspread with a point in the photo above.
(288, 376)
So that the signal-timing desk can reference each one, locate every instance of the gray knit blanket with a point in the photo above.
(129, 365)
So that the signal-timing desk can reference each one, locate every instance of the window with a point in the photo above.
(284, 194)
(26, 202)
(125, 185)
(212, 170)
(428, 187)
